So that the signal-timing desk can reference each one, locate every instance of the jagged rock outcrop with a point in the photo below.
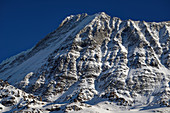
(96, 56)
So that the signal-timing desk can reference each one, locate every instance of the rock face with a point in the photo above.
(91, 57)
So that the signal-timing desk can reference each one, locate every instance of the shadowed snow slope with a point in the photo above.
(91, 61)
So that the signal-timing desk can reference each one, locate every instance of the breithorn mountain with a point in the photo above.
(91, 63)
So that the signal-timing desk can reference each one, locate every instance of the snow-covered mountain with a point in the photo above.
(92, 63)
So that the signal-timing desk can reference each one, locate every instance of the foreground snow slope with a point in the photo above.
(93, 59)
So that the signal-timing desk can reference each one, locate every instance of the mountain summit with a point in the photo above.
(91, 63)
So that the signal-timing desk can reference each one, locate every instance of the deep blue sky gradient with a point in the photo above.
(24, 22)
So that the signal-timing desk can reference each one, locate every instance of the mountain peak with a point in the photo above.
(94, 58)
(73, 18)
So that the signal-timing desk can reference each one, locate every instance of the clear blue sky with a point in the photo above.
(24, 22)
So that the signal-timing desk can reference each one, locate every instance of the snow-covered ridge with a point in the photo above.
(94, 58)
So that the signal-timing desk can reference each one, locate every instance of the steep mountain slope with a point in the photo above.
(95, 58)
